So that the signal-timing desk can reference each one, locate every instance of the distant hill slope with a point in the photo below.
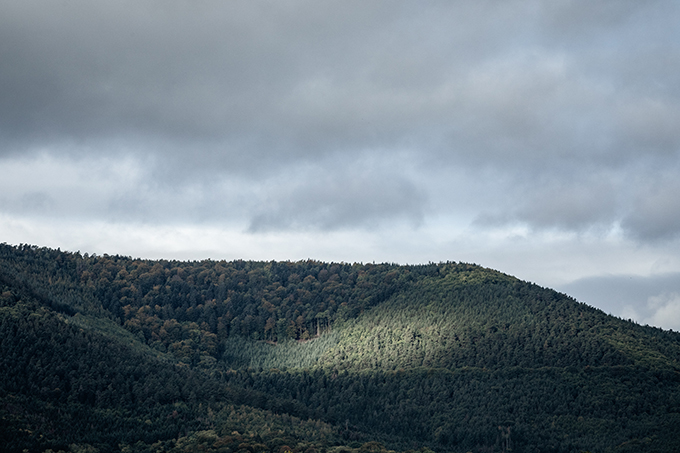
(112, 352)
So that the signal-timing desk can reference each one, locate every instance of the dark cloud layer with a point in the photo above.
(341, 201)
(575, 104)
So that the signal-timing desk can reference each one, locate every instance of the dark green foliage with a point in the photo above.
(111, 353)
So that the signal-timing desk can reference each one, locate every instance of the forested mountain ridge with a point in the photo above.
(257, 356)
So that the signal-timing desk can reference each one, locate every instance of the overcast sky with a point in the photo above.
(539, 138)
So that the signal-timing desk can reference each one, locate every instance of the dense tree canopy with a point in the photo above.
(111, 353)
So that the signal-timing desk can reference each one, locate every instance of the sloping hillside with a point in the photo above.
(113, 352)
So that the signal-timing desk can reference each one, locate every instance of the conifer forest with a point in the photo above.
(111, 353)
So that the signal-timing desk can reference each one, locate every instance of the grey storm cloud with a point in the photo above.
(655, 213)
(351, 199)
(574, 205)
(575, 104)
(646, 299)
